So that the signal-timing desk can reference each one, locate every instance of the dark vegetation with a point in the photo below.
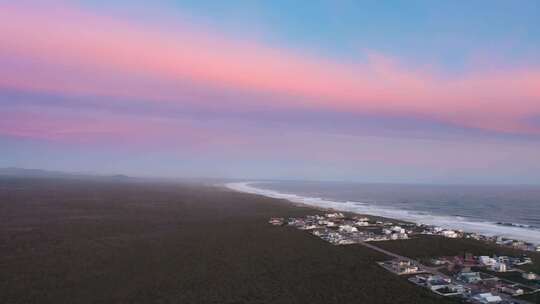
(426, 246)
(82, 241)
(533, 298)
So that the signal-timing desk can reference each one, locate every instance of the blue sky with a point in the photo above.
(378, 91)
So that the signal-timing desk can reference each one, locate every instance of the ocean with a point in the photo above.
(511, 211)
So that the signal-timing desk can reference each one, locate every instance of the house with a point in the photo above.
(403, 236)
(296, 222)
(276, 221)
(435, 282)
(469, 277)
(487, 298)
(347, 228)
(335, 215)
(520, 261)
(408, 269)
(309, 227)
(499, 267)
(397, 229)
(530, 276)
(486, 261)
(318, 233)
(437, 229)
(449, 234)
(345, 242)
(405, 267)
(449, 290)
(503, 259)
(513, 291)
(322, 222)
(363, 219)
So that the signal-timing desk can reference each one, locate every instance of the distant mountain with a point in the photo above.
(21, 172)
(12, 171)
(119, 176)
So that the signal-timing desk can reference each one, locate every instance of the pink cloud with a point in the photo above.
(127, 131)
(71, 51)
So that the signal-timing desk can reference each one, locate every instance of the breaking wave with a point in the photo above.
(508, 230)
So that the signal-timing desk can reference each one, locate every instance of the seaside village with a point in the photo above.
(474, 279)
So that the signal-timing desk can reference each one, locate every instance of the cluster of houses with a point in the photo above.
(502, 263)
(516, 244)
(339, 229)
(475, 278)
(501, 241)
(433, 230)
(365, 229)
(472, 286)
(492, 264)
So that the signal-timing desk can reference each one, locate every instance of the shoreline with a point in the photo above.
(189, 243)
(319, 208)
(245, 187)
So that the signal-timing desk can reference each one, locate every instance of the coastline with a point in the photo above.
(483, 229)
(174, 243)
(314, 207)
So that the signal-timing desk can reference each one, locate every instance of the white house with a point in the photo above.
(499, 267)
(487, 298)
(530, 276)
(398, 229)
(514, 291)
(309, 227)
(347, 228)
(449, 234)
(486, 261)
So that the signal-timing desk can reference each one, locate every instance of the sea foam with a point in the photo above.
(449, 222)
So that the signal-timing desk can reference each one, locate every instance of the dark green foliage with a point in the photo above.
(69, 241)
(533, 298)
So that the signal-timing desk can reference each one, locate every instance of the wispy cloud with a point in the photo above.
(69, 51)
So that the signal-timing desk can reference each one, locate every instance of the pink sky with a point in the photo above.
(96, 80)
(75, 52)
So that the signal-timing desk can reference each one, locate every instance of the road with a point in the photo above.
(397, 256)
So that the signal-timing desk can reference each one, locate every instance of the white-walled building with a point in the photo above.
(487, 261)
(499, 267)
(530, 276)
(449, 234)
(347, 228)
(487, 298)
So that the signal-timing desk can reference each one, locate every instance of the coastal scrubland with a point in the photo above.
(129, 241)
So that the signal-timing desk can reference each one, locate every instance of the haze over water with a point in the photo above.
(511, 211)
